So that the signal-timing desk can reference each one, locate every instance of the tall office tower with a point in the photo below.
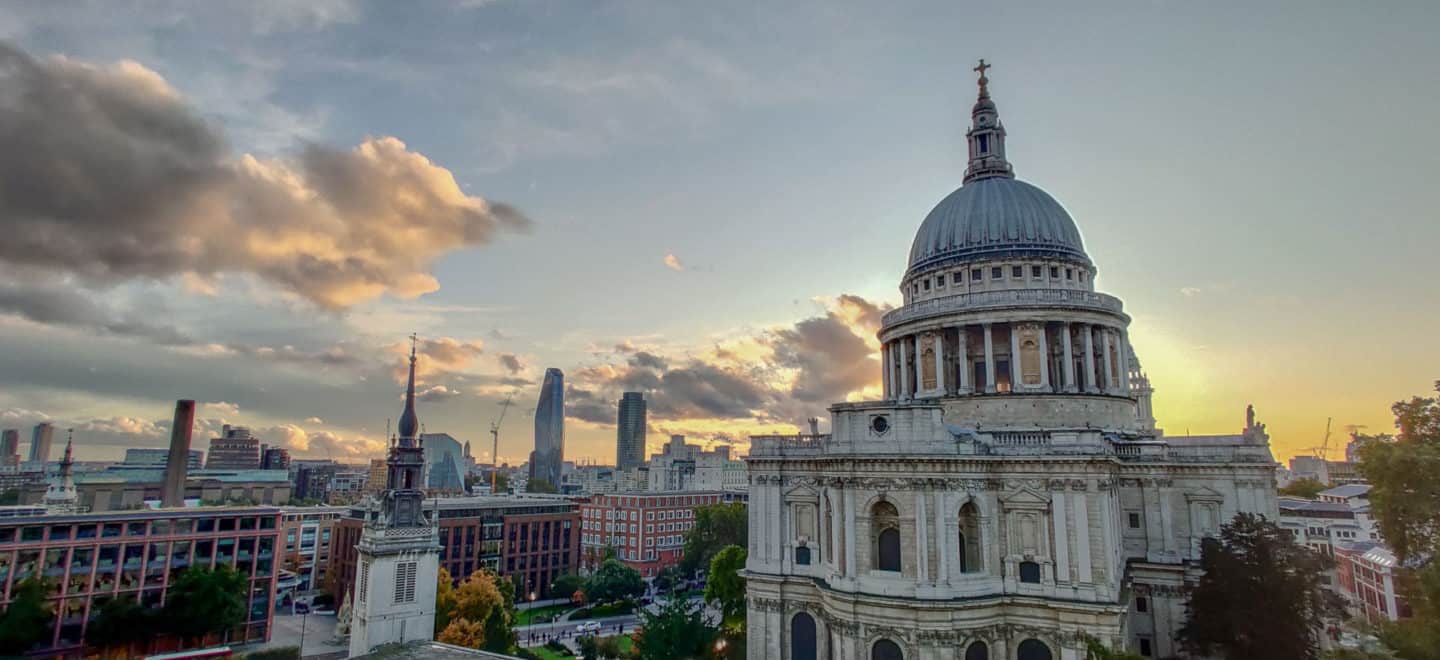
(10, 447)
(549, 454)
(172, 493)
(630, 431)
(40, 440)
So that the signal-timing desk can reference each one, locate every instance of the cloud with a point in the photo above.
(436, 394)
(437, 356)
(314, 420)
(1190, 291)
(511, 363)
(321, 443)
(673, 263)
(109, 175)
(223, 407)
(55, 303)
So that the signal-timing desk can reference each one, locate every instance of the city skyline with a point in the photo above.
(1215, 185)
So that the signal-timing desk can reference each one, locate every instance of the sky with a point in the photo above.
(254, 204)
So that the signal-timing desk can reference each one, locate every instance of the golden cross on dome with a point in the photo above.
(982, 68)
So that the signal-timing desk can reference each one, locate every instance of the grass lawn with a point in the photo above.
(539, 614)
(548, 654)
(600, 611)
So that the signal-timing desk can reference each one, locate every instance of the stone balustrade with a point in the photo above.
(803, 444)
(986, 300)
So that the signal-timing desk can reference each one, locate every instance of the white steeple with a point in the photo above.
(61, 496)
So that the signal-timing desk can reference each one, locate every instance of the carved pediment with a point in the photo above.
(1204, 494)
(1024, 498)
(802, 493)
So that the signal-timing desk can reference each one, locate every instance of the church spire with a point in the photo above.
(986, 135)
(409, 422)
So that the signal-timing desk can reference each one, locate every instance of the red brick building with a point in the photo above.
(530, 539)
(647, 530)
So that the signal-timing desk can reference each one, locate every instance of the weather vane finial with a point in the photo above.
(981, 69)
(414, 339)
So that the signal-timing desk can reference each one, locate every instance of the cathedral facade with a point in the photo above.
(1010, 495)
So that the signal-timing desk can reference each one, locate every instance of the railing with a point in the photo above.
(788, 445)
(1004, 298)
(1021, 439)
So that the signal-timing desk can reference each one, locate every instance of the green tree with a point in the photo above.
(566, 585)
(120, 623)
(1261, 595)
(589, 646)
(614, 581)
(1405, 500)
(716, 526)
(677, 631)
(1306, 488)
(667, 579)
(500, 626)
(202, 601)
(28, 618)
(540, 486)
(725, 588)
(1097, 650)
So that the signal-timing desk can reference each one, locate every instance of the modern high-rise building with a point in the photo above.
(549, 454)
(235, 449)
(10, 447)
(40, 440)
(443, 460)
(630, 431)
(147, 456)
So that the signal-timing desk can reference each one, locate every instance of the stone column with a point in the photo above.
(835, 530)
(919, 371)
(904, 370)
(1124, 341)
(989, 359)
(850, 533)
(1061, 555)
(1091, 382)
(1044, 357)
(1014, 359)
(963, 357)
(940, 362)
(922, 551)
(1068, 368)
(885, 372)
(1107, 351)
(1083, 564)
(942, 538)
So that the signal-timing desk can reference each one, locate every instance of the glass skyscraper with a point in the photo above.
(630, 431)
(549, 454)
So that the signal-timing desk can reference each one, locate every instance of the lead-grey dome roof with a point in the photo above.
(996, 217)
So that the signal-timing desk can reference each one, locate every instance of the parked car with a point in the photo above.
(589, 627)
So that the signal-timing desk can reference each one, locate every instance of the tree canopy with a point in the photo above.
(716, 526)
(499, 627)
(614, 581)
(27, 620)
(1261, 595)
(444, 599)
(1405, 500)
(1306, 487)
(677, 631)
(725, 588)
(120, 622)
(203, 600)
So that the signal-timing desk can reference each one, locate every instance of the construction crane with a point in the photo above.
(1323, 451)
(495, 441)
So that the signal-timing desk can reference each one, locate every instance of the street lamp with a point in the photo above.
(720, 647)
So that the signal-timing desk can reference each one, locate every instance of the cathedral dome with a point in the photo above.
(996, 217)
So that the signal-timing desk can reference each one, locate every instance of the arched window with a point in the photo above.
(802, 637)
(1030, 572)
(970, 539)
(885, 524)
(802, 556)
(977, 651)
(885, 649)
(1033, 649)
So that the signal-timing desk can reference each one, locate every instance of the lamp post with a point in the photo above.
(532, 620)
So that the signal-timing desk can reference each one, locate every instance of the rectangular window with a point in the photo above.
(1145, 647)
(984, 142)
(1142, 605)
(405, 582)
(364, 579)
(1017, 272)
(1134, 520)
(927, 284)
(1069, 273)
(996, 273)
(1036, 272)
(975, 274)
(940, 281)
(1054, 272)
(957, 277)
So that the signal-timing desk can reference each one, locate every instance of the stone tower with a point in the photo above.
(399, 549)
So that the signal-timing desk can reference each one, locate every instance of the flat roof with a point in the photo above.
(1348, 490)
(429, 651)
(142, 514)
